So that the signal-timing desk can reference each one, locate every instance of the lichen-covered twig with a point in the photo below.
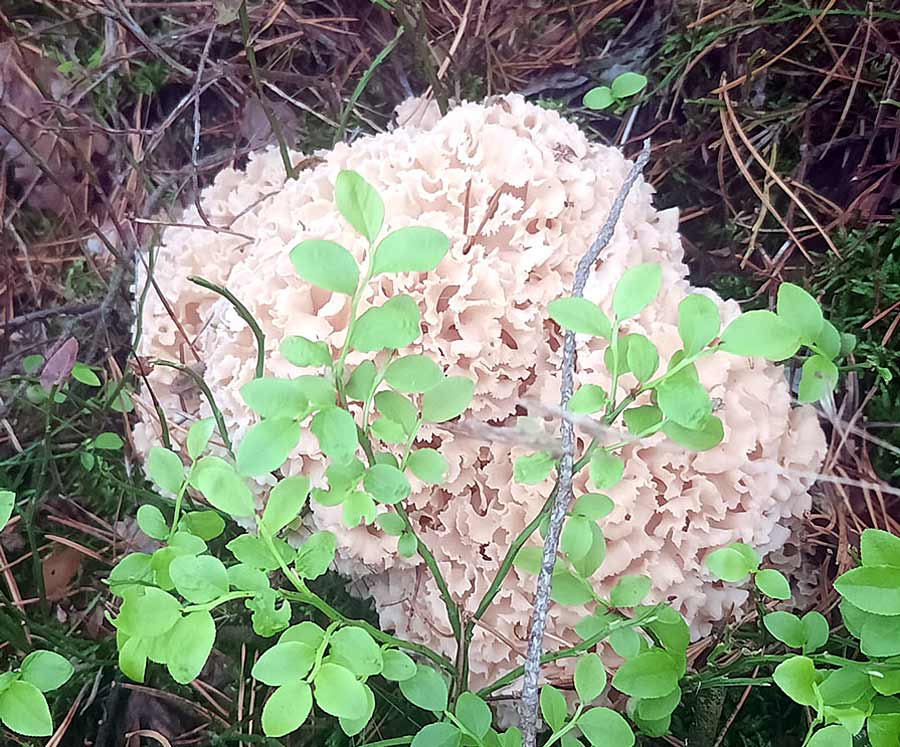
(529, 704)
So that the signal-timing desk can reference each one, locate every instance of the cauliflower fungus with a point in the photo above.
(521, 193)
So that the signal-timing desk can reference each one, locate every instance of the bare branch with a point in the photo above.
(529, 703)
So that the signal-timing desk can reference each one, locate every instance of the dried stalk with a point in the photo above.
(529, 704)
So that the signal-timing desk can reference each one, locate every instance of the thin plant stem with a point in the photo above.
(532, 666)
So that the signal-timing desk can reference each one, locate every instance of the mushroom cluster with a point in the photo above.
(521, 193)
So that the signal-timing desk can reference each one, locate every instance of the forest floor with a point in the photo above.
(776, 132)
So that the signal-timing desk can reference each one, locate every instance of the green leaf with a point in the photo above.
(108, 442)
(199, 578)
(318, 390)
(361, 382)
(586, 566)
(407, 545)
(353, 726)
(799, 311)
(287, 709)
(732, 564)
(359, 507)
(397, 408)
(359, 203)
(698, 322)
(599, 98)
(829, 341)
(593, 506)
(588, 398)
(474, 714)
(284, 663)
(426, 689)
(130, 572)
(428, 465)
(315, 555)
(188, 646)
(533, 469)
(390, 524)
(413, 373)
(528, 560)
(773, 584)
(880, 636)
(357, 650)
(786, 627)
(684, 401)
(669, 628)
(818, 378)
(815, 631)
(707, 436)
(654, 709)
(580, 315)
(24, 710)
(761, 334)
(441, 734)
(85, 375)
(554, 708)
(393, 325)
(339, 693)
(305, 353)
(576, 537)
(512, 737)
(336, 430)
(410, 249)
(305, 632)
(797, 679)
(569, 590)
(845, 687)
(270, 397)
(642, 357)
(883, 730)
(198, 436)
(244, 577)
(46, 670)
(285, 502)
(7, 503)
(874, 589)
(590, 677)
(152, 522)
(165, 469)
(397, 666)
(627, 642)
(652, 674)
(831, 736)
(645, 419)
(254, 552)
(630, 591)
(606, 470)
(148, 612)
(388, 431)
(603, 726)
(878, 547)
(267, 618)
(326, 265)
(628, 84)
(386, 484)
(636, 289)
(448, 399)
(266, 446)
(133, 658)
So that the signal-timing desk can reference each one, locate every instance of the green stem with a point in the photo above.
(179, 499)
(431, 563)
(225, 598)
(244, 313)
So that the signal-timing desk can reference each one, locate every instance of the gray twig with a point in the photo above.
(529, 704)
